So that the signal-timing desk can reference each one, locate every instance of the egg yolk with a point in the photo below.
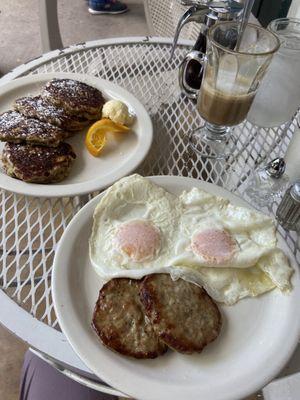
(215, 246)
(140, 240)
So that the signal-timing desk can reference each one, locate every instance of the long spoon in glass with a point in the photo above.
(245, 18)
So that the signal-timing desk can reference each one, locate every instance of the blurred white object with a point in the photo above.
(292, 158)
(278, 96)
(287, 388)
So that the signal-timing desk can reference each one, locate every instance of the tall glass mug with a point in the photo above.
(278, 97)
(231, 79)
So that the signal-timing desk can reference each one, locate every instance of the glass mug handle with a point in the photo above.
(191, 72)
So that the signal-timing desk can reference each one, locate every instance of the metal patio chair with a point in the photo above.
(161, 17)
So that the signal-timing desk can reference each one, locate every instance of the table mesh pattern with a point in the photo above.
(31, 227)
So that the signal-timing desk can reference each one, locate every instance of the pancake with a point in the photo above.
(15, 128)
(37, 164)
(76, 98)
(38, 108)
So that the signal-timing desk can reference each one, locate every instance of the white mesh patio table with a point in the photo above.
(31, 227)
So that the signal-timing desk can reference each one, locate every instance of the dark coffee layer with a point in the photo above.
(223, 109)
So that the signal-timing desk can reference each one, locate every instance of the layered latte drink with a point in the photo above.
(233, 71)
(224, 108)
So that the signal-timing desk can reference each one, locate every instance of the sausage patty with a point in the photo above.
(120, 322)
(182, 314)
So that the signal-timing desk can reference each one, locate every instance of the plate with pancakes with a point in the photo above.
(44, 120)
(180, 289)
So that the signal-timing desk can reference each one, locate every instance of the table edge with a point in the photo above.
(46, 57)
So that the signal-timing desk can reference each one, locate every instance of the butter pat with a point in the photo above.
(118, 112)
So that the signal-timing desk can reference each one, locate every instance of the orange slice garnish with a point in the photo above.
(96, 136)
(95, 140)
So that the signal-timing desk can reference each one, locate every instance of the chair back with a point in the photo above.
(162, 17)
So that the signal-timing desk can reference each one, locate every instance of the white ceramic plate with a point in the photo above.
(121, 155)
(257, 339)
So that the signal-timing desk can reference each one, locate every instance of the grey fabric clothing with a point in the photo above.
(40, 381)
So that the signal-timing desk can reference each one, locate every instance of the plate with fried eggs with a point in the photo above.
(200, 233)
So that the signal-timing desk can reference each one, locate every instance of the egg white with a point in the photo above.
(257, 265)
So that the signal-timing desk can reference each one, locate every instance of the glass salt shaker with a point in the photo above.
(288, 211)
(267, 183)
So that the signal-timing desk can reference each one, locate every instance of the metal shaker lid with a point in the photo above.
(275, 168)
(295, 191)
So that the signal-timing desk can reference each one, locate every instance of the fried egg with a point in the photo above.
(134, 228)
(215, 233)
(139, 228)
